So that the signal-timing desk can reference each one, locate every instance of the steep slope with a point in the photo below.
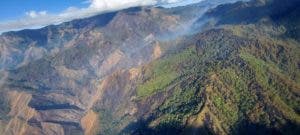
(56, 71)
(155, 71)
(218, 85)
(240, 78)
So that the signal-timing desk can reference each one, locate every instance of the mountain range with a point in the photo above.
(214, 67)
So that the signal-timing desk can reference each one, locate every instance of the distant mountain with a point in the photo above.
(199, 69)
(279, 12)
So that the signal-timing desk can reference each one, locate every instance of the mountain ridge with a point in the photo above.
(155, 71)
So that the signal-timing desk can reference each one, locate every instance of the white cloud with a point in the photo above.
(37, 19)
(34, 14)
(116, 4)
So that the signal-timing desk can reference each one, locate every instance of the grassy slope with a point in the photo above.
(236, 102)
(162, 73)
(246, 76)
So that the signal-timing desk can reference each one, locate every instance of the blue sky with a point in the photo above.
(30, 14)
(15, 9)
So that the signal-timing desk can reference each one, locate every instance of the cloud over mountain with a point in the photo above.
(37, 19)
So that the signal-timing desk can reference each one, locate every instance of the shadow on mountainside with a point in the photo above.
(141, 127)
